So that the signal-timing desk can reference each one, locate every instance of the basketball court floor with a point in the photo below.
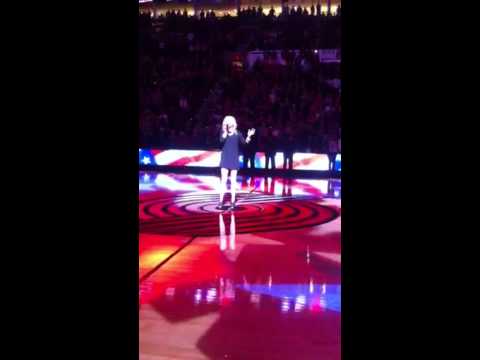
(260, 282)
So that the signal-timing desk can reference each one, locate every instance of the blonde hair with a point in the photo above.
(229, 121)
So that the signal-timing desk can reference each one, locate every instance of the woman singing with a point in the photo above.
(229, 158)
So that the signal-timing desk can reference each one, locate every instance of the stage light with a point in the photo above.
(211, 295)
(198, 296)
(300, 302)
(170, 292)
(285, 305)
(255, 298)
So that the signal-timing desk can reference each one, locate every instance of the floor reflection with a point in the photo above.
(151, 181)
(224, 237)
(263, 282)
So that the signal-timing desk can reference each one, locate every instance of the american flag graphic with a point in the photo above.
(203, 158)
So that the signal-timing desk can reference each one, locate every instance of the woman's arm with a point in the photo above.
(250, 133)
(242, 139)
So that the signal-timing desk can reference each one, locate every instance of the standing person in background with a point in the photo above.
(288, 145)
(332, 133)
(270, 149)
(333, 150)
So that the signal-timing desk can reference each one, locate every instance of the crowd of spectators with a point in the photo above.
(189, 79)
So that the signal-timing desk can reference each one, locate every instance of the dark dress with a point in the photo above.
(231, 151)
